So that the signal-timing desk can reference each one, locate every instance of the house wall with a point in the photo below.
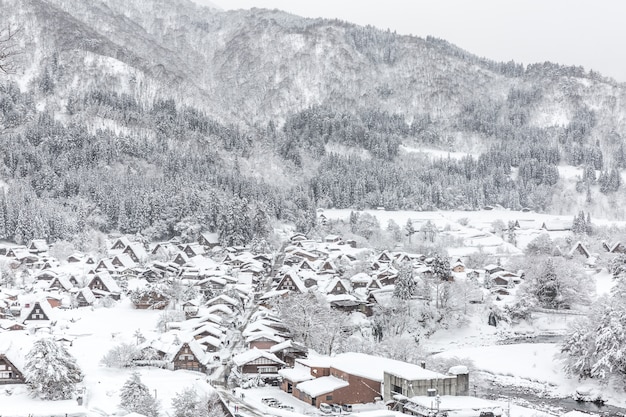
(255, 369)
(262, 344)
(444, 386)
(8, 374)
(361, 390)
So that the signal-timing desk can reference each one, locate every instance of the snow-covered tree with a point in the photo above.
(50, 371)
(136, 397)
(409, 229)
(595, 347)
(405, 285)
(312, 322)
(541, 245)
(555, 282)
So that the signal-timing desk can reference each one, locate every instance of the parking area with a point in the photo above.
(274, 401)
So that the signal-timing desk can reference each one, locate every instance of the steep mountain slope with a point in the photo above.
(123, 109)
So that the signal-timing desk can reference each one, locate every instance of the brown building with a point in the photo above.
(190, 356)
(9, 374)
(352, 378)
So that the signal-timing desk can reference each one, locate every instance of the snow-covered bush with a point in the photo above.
(51, 372)
(121, 356)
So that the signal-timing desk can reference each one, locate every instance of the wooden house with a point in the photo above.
(181, 258)
(104, 285)
(337, 286)
(190, 308)
(291, 282)
(209, 240)
(151, 300)
(123, 261)
(288, 351)
(120, 243)
(85, 297)
(327, 267)
(38, 246)
(190, 356)
(360, 280)
(579, 249)
(38, 311)
(9, 373)
(258, 362)
(263, 340)
(136, 252)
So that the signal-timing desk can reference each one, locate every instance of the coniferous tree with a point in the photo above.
(405, 285)
(50, 371)
(136, 397)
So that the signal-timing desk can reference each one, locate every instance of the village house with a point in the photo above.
(9, 373)
(261, 363)
(209, 240)
(38, 246)
(103, 285)
(38, 311)
(288, 351)
(344, 380)
(84, 298)
(291, 282)
(190, 356)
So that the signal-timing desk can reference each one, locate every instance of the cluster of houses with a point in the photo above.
(224, 278)
(232, 283)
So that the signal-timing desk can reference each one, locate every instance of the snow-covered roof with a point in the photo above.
(285, 345)
(298, 374)
(254, 354)
(223, 299)
(220, 308)
(353, 363)
(267, 335)
(108, 282)
(322, 385)
(124, 260)
(210, 340)
(88, 295)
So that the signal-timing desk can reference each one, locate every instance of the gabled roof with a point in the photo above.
(38, 245)
(223, 299)
(322, 385)
(138, 250)
(220, 308)
(63, 281)
(264, 335)
(254, 354)
(123, 260)
(195, 348)
(88, 295)
(43, 305)
(108, 282)
(287, 344)
(121, 242)
(295, 279)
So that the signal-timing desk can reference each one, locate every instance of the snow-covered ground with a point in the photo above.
(94, 333)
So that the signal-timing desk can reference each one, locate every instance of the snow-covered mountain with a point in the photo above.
(269, 108)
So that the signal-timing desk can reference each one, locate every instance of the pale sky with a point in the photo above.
(590, 33)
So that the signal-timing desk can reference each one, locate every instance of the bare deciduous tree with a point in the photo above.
(9, 48)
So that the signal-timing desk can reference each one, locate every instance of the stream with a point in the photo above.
(534, 397)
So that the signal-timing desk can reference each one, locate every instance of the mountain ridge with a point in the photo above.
(259, 108)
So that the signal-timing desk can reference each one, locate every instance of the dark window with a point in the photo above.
(329, 397)
(396, 389)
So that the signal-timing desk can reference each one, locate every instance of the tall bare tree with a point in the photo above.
(9, 48)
